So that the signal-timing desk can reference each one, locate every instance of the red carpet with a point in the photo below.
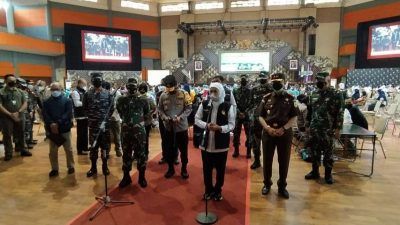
(176, 201)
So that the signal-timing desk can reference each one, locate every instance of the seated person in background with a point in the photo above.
(361, 101)
(356, 116)
(356, 95)
(379, 96)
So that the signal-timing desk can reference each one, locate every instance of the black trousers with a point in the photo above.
(211, 161)
(81, 135)
(283, 145)
(163, 138)
(182, 141)
(148, 129)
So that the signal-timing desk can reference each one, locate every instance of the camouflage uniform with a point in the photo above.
(258, 94)
(133, 109)
(32, 102)
(243, 103)
(325, 116)
(95, 106)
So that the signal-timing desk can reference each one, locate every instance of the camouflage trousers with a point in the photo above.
(133, 143)
(103, 142)
(28, 132)
(322, 143)
(238, 130)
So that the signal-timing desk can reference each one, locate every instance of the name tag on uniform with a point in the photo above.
(14, 102)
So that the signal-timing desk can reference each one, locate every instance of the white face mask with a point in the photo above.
(214, 97)
(41, 88)
(56, 94)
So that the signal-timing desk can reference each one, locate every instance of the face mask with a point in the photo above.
(320, 84)
(41, 88)
(30, 87)
(243, 82)
(277, 85)
(263, 81)
(214, 97)
(132, 88)
(83, 87)
(11, 84)
(142, 92)
(97, 82)
(56, 94)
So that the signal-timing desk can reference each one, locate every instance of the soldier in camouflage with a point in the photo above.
(28, 126)
(98, 106)
(133, 110)
(258, 92)
(324, 120)
(243, 103)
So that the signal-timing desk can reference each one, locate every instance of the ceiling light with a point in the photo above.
(135, 5)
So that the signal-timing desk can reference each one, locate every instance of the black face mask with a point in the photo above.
(142, 91)
(132, 88)
(97, 82)
(276, 85)
(11, 84)
(263, 81)
(243, 82)
(320, 84)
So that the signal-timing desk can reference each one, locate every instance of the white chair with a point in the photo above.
(380, 127)
(373, 113)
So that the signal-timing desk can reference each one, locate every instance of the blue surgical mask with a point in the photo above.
(56, 94)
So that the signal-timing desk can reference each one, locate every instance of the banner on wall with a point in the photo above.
(154, 77)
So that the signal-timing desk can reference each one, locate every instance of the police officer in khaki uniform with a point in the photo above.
(277, 116)
(12, 105)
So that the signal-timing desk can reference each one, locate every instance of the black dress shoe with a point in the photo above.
(30, 146)
(265, 190)
(126, 180)
(283, 193)
(25, 153)
(236, 152)
(142, 182)
(208, 196)
(169, 173)
(256, 164)
(82, 153)
(53, 173)
(7, 158)
(71, 170)
(312, 175)
(218, 197)
(91, 173)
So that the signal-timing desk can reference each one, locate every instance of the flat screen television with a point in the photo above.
(102, 48)
(240, 62)
(378, 44)
(106, 47)
(384, 41)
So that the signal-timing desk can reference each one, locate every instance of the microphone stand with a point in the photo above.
(105, 200)
(206, 217)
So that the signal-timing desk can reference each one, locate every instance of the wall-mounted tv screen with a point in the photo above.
(237, 62)
(378, 43)
(102, 48)
(106, 47)
(384, 41)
